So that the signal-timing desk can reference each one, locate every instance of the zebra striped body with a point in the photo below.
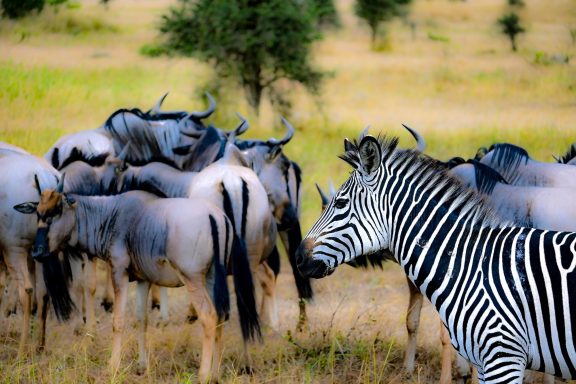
(506, 294)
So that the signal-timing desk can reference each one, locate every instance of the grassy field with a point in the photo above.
(455, 80)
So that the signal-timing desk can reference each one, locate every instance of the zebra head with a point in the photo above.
(353, 223)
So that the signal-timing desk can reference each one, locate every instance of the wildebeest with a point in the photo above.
(536, 207)
(237, 191)
(168, 242)
(516, 166)
(21, 177)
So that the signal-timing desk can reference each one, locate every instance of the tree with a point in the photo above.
(326, 13)
(254, 42)
(376, 12)
(15, 9)
(511, 27)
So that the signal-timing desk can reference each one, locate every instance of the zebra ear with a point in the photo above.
(370, 154)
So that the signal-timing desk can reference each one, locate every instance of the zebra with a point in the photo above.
(503, 292)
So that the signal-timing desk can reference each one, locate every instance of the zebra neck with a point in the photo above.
(96, 224)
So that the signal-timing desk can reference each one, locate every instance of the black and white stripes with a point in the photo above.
(506, 294)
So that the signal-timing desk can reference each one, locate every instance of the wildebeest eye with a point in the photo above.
(340, 203)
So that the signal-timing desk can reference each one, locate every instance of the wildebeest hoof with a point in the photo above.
(141, 369)
(155, 305)
(191, 318)
(108, 305)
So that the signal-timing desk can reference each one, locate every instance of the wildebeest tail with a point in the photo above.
(302, 283)
(221, 296)
(244, 286)
(57, 278)
(273, 261)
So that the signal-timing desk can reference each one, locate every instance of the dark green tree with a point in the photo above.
(511, 27)
(15, 9)
(254, 42)
(376, 12)
(326, 13)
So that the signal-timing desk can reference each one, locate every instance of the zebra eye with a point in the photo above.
(340, 203)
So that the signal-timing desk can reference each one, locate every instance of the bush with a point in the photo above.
(15, 9)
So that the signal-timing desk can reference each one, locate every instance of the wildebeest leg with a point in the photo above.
(42, 299)
(164, 304)
(160, 301)
(200, 298)
(192, 315)
(17, 263)
(108, 299)
(412, 324)
(268, 284)
(142, 316)
(78, 287)
(89, 294)
(218, 348)
(120, 281)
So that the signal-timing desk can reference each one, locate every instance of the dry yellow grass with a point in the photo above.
(68, 71)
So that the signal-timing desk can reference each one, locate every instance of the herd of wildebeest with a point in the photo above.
(165, 200)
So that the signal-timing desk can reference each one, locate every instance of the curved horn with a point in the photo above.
(364, 133)
(206, 113)
(286, 138)
(155, 110)
(60, 186)
(331, 186)
(322, 196)
(420, 143)
(37, 183)
(243, 127)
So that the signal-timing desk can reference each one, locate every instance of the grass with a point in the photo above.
(455, 81)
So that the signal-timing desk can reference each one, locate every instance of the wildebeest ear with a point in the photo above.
(29, 207)
(274, 152)
(370, 154)
(69, 200)
(348, 146)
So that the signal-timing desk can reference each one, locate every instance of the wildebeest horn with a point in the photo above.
(206, 113)
(60, 186)
(331, 186)
(420, 143)
(156, 108)
(322, 195)
(557, 159)
(37, 183)
(286, 137)
(243, 126)
(364, 133)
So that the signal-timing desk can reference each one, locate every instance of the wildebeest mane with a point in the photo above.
(570, 154)
(508, 155)
(209, 148)
(486, 177)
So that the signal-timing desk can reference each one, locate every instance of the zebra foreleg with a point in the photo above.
(452, 361)
(412, 324)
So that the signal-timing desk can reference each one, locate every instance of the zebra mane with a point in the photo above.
(508, 155)
(486, 177)
(569, 155)
(431, 175)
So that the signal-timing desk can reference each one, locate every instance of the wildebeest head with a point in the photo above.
(55, 219)
(273, 169)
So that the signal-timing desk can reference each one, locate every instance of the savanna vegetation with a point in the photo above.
(449, 73)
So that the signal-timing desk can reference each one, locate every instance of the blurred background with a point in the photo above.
(464, 74)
